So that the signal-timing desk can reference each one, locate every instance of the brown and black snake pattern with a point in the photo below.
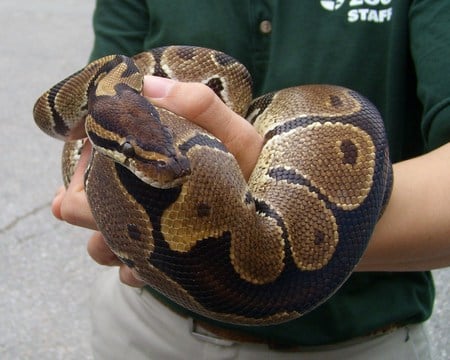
(172, 202)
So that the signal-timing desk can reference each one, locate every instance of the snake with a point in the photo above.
(173, 204)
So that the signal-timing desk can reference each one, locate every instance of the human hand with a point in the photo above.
(71, 205)
(199, 104)
(195, 102)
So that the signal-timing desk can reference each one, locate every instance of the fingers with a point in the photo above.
(102, 254)
(198, 103)
(128, 276)
(56, 203)
(71, 205)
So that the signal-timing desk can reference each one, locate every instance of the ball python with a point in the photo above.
(172, 203)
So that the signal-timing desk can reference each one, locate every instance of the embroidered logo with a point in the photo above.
(376, 11)
(331, 5)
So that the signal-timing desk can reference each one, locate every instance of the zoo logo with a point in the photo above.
(362, 10)
(331, 5)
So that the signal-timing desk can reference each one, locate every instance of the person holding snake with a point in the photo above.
(316, 179)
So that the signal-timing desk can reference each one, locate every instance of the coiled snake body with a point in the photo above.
(172, 203)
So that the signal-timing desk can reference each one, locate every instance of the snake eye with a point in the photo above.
(128, 149)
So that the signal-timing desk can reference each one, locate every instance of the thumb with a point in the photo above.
(199, 104)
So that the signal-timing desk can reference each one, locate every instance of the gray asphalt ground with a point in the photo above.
(45, 272)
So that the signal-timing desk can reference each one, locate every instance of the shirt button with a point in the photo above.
(265, 26)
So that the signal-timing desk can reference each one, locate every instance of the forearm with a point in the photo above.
(414, 232)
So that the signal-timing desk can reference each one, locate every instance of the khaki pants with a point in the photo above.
(130, 324)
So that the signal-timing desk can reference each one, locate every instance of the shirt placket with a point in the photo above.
(261, 27)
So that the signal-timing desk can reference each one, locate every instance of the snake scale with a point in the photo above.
(172, 203)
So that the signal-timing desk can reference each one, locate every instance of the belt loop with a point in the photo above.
(206, 336)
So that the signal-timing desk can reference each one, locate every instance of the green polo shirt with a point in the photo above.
(395, 52)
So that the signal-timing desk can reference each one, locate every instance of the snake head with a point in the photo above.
(126, 127)
(161, 169)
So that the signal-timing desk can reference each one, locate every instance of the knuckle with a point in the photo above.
(196, 100)
(99, 252)
(239, 136)
(127, 277)
(68, 210)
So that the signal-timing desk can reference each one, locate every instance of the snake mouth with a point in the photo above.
(162, 174)
(159, 167)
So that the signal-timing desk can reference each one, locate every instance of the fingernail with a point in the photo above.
(157, 87)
